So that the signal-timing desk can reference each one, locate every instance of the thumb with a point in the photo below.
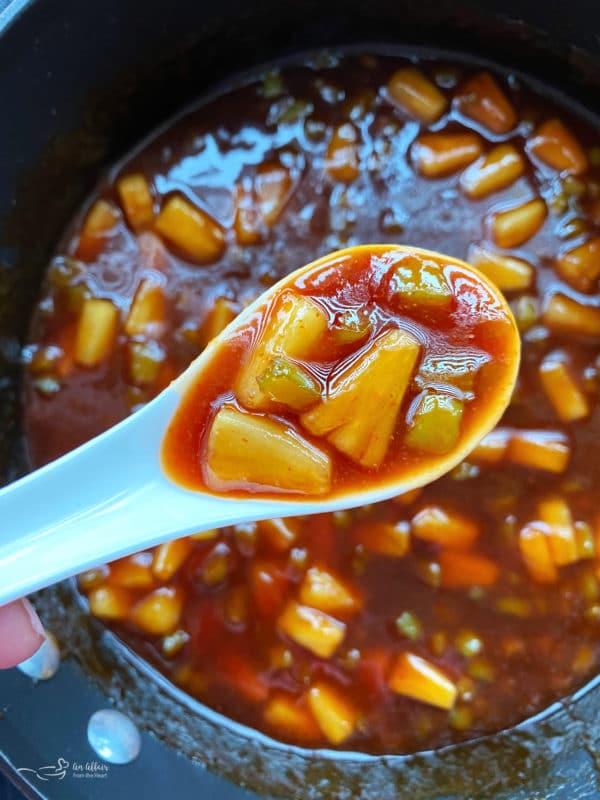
(21, 633)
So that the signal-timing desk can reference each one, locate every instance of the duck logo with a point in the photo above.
(49, 772)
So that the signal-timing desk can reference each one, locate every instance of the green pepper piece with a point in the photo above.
(435, 423)
(285, 382)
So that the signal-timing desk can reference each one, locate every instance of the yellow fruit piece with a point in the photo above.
(492, 448)
(320, 589)
(311, 628)
(133, 572)
(272, 184)
(539, 449)
(236, 605)
(294, 326)
(419, 281)
(560, 387)
(444, 527)
(535, 550)
(247, 218)
(248, 448)
(110, 602)
(415, 677)
(341, 161)
(497, 170)
(148, 310)
(438, 154)
(286, 715)
(566, 315)
(434, 426)
(482, 99)
(170, 556)
(516, 226)
(101, 218)
(410, 89)
(159, 612)
(336, 716)
(556, 146)
(581, 266)
(384, 538)
(221, 314)
(96, 332)
(145, 361)
(556, 514)
(190, 229)
(279, 533)
(136, 200)
(359, 414)
(508, 273)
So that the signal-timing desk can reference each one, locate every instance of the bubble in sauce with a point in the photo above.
(113, 736)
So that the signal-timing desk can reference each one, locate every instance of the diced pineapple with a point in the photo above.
(247, 219)
(584, 536)
(102, 217)
(456, 369)
(221, 314)
(444, 527)
(293, 328)
(409, 88)
(508, 273)
(268, 585)
(384, 538)
(236, 605)
(247, 449)
(556, 514)
(434, 426)
(539, 449)
(287, 716)
(535, 550)
(407, 498)
(336, 716)
(110, 602)
(273, 185)
(581, 265)
(148, 310)
(192, 230)
(415, 677)
(278, 533)
(170, 556)
(311, 628)
(136, 200)
(132, 572)
(492, 448)
(341, 161)
(516, 226)
(569, 402)
(144, 362)
(287, 383)
(158, 612)
(93, 578)
(323, 590)
(482, 99)
(351, 325)
(437, 154)
(418, 281)
(566, 315)
(359, 414)
(495, 171)
(459, 570)
(96, 332)
(556, 146)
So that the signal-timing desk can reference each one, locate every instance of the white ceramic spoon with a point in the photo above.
(110, 497)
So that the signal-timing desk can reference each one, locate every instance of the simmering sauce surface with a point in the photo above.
(429, 619)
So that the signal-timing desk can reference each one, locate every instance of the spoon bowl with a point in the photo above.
(112, 496)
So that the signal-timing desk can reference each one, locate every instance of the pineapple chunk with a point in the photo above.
(144, 362)
(149, 308)
(459, 570)
(437, 154)
(556, 514)
(415, 677)
(535, 550)
(96, 332)
(170, 556)
(455, 369)
(197, 234)
(562, 390)
(285, 715)
(136, 199)
(252, 449)
(540, 449)
(132, 572)
(508, 273)
(320, 589)
(311, 628)
(272, 185)
(110, 602)
(482, 99)
(566, 315)
(435, 424)
(493, 172)
(335, 715)
(384, 538)
(285, 382)
(492, 448)
(221, 314)
(102, 217)
(292, 329)
(351, 325)
(556, 146)
(446, 528)
(581, 266)
(410, 89)
(421, 282)
(280, 534)
(247, 220)
(359, 414)
(342, 154)
(159, 612)
(517, 225)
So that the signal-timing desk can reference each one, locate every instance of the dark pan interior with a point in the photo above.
(79, 84)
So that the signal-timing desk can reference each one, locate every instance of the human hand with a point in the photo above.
(21, 633)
